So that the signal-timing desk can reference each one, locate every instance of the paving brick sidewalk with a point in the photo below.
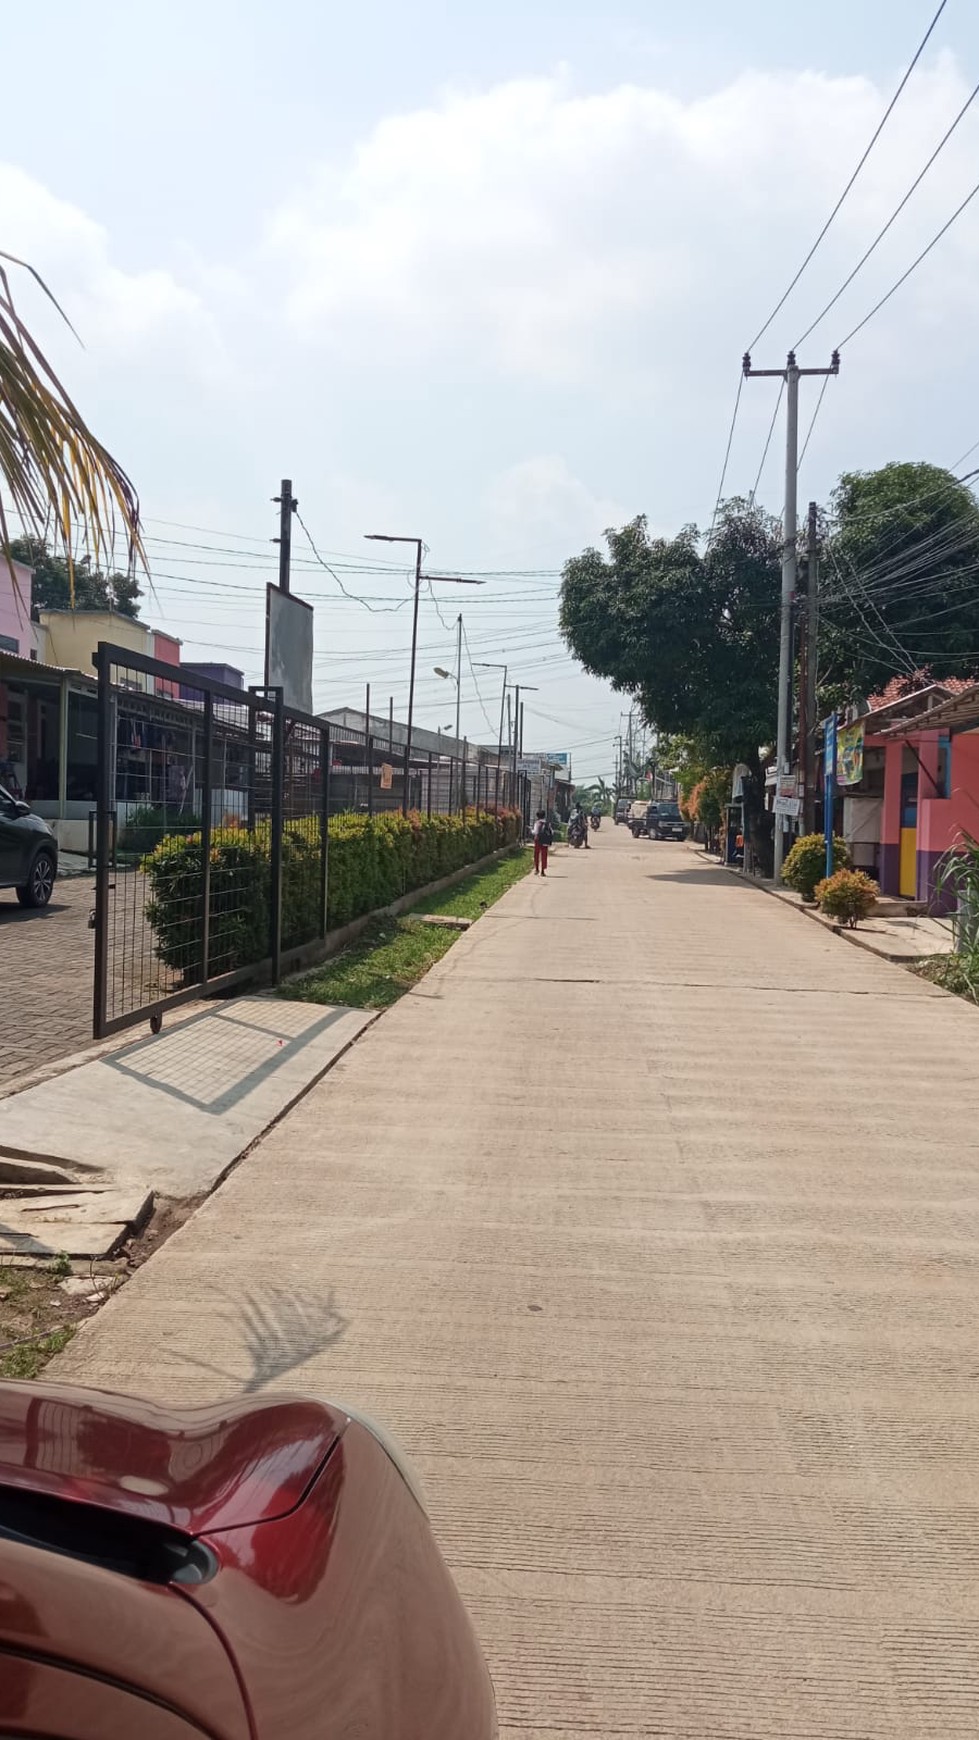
(46, 964)
(650, 1223)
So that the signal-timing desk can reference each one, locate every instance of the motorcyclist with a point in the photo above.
(596, 816)
(577, 823)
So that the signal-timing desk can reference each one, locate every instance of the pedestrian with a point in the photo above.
(543, 837)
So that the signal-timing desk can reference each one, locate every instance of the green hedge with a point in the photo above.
(372, 862)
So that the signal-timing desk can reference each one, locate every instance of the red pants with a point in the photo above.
(540, 856)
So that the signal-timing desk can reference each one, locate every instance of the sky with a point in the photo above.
(482, 276)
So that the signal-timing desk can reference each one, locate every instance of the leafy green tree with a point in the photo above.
(692, 631)
(898, 585)
(94, 590)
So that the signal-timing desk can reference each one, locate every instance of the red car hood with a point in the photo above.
(196, 1469)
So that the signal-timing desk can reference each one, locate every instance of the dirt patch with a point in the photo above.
(41, 1305)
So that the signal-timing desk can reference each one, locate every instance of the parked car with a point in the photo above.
(262, 1570)
(664, 821)
(621, 810)
(637, 817)
(28, 852)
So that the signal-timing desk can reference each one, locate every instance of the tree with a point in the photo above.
(56, 471)
(692, 632)
(51, 586)
(898, 589)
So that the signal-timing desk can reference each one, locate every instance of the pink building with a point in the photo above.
(18, 634)
(931, 792)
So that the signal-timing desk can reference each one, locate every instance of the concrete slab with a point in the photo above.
(172, 1112)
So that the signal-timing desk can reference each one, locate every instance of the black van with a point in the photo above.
(664, 822)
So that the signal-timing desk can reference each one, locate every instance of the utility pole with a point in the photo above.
(811, 633)
(287, 507)
(791, 375)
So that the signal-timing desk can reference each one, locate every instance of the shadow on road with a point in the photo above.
(281, 1329)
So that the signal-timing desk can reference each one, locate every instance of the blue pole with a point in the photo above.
(829, 787)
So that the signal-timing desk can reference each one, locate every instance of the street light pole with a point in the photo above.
(455, 580)
(458, 673)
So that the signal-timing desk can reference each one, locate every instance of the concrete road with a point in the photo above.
(650, 1223)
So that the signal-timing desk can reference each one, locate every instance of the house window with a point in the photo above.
(8, 644)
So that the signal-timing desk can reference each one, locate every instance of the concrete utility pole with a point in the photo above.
(287, 507)
(791, 375)
(812, 627)
(458, 673)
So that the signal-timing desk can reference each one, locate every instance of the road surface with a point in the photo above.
(650, 1224)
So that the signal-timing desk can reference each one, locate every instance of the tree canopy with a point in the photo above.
(693, 633)
(898, 591)
(51, 587)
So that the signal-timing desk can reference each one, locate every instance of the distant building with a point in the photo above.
(218, 673)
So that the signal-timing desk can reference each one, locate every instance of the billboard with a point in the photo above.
(289, 648)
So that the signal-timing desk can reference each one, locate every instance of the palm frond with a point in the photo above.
(58, 473)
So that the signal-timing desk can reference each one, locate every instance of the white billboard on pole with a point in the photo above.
(289, 648)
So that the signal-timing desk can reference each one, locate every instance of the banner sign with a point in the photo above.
(829, 746)
(849, 754)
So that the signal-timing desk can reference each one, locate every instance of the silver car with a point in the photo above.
(28, 852)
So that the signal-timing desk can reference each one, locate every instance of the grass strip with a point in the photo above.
(392, 954)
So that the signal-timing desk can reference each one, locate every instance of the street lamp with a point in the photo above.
(456, 676)
(487, 666)
(451, 580)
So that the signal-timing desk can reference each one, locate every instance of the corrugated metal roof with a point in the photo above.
(14, 664)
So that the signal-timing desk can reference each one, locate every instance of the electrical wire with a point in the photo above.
(812, 421)
(957, 213)
(472, 669)
(939, 148)
(780, 304)
(727, 455)
(768, 441)
(376, 609)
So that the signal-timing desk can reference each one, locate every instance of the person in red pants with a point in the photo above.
(543, 837)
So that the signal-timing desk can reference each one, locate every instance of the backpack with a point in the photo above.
(545, 834)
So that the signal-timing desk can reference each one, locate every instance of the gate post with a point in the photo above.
(275, 842)
(103, 835)
(324, 825)
(206, 804)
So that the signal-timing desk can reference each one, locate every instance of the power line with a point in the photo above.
(812, 420)
(727, 455)
(877, 133)
(768, 439)
(957, 213)
(939, 148)
(376, 609)
(472, 669)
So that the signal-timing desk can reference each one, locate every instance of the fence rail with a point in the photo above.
(212, 829)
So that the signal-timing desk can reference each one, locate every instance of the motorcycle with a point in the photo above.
(596, 822)
(576, 833)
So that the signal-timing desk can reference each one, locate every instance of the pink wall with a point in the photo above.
(15, 608)
(942, 821)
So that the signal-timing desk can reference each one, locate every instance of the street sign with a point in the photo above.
(829, 745)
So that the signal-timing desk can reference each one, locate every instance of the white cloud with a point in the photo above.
(539, 231)
(117, 314)
(540, 500)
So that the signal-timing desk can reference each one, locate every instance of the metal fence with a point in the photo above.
(212, 829)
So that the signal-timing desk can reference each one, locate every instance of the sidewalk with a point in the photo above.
(649, 1222)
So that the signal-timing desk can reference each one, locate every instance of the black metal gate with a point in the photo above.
(212, 839)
